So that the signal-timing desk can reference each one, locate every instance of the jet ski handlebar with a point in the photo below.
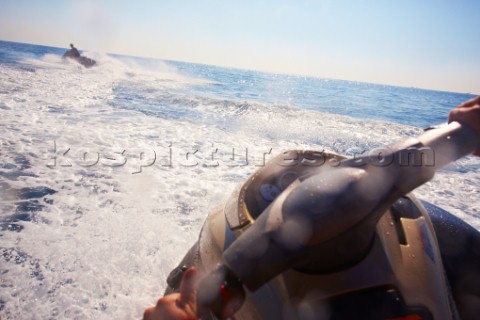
(326, 221)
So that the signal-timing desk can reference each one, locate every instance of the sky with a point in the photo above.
(431, 44)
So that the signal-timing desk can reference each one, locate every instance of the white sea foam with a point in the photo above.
(104, 243)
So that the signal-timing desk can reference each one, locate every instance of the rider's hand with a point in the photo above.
(177, 306)
(468, 113)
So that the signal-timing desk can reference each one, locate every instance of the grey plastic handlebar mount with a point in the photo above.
(307, 225)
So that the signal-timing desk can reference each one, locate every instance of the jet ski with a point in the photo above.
(314, 235)
(84, 61)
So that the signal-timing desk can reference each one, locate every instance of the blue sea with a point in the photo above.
(107, 173)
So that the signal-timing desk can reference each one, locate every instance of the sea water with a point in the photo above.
(107, 173)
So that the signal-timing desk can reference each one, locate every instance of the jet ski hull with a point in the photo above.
(84, 61)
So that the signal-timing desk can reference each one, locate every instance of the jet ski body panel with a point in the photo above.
(401, 275)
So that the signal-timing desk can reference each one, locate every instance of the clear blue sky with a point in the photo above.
(431, 44)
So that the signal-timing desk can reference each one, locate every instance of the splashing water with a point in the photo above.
(108, 173)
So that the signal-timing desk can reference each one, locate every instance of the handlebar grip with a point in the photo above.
(220, 293)
(451, 142)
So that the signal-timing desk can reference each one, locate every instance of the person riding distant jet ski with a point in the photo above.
(72, 53)
(458, 244)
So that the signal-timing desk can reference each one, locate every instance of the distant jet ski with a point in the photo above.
(74, 54)
(84, 61)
